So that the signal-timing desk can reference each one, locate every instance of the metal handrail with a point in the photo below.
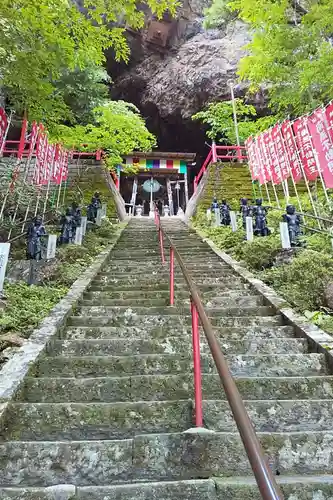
(268, 487)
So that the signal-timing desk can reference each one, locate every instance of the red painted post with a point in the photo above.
(172, 277)
(160, 233)
(214, 153)
(196, 366)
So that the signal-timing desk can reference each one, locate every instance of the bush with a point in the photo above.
(319, 243)
(27, 305)
(259, 253)
(224, 238)
(303, 281)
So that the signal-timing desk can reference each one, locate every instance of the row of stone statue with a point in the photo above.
(259, 213)
(70, 221)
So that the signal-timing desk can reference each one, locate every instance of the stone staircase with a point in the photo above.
(106, 409)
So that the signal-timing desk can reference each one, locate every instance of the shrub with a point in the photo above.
(319, 243)
(259, 253)
(303, 281)
(224, 238)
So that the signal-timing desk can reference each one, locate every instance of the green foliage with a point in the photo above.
(259, 253)
(303, 281)
(217, 14)
(319, 243)
(219, 118)
(27, 305)
(119, 129)
(40, 40)
(290, 53)
(224, 238)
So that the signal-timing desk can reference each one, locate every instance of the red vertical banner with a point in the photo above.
(272, 151)
(33, 138)
(3, 127)
(265, 163)
(41, 153)
(322, 144)
(329, 119)
(280, 152)
(253, 164)
(305, 150)
(259, 162)
(64, 167)
(56, 171)
(22, 139)
(47, 171)
(291, 150)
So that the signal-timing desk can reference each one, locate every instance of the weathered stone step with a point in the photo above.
(180, 490)
(282, 365)
(149, 332)
(160, 286)
(175, 345)
(158, 458)
(98, 421)
(170, 322)
(170, 388)
(180, 310)
(94, 421)
(210, 302)
(214, 296)
(294, 488)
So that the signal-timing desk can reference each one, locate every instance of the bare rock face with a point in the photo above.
(170, 85)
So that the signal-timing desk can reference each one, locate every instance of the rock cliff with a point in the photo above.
(171, 84)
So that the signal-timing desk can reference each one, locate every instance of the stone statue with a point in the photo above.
(294, 225)
(215, 204)
(35, 234)
(67, 229)
(76, 215)
(245, 210)
(93, 207)
(259, 213)
(225, 213)
(166, 211)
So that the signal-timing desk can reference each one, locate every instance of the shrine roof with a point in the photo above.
(188, 157)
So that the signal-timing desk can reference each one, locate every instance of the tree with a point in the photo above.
(118, 130)
(219, 118)
(291, 52)
(40, 40)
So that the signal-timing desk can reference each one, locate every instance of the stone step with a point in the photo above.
(294, 488)
(213, 296)
(248, 301)
(170, 322)
(136, 285)
(181, 310)
(177, 345)
(149, 332)
(98, 421)
(283, 365)
(160, 457)
(170, 388)
(181, 490)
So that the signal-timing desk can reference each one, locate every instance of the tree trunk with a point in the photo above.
(194, 200)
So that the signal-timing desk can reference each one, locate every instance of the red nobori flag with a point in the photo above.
(322, 144)
(3, 126)
(304, 144)
(33, 137)
(41, 153)
(266, 173)
(280, 152)
(291, 150)
(329, 119)
(252, 160)
(272, 153)
(260, 162)
(57, 164)
(46, 172)
(64, 166)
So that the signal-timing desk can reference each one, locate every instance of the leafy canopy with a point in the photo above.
(118, 130)
(43, 40)
(219, 118)
(291, 52)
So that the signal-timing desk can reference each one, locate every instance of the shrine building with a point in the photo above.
(155, 177)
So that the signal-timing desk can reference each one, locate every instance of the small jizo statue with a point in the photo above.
(259, 212)
(93, 207)
(67, 228)
(35, 233)
(215, 204)
(225, 213)
(294, 225)
(244, 210)
(75, 212)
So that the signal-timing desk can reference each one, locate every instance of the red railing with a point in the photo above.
(266, 482)
(223, 153)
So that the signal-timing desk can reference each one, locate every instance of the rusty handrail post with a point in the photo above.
(196, 366)
(268, 487)
(172, 277)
